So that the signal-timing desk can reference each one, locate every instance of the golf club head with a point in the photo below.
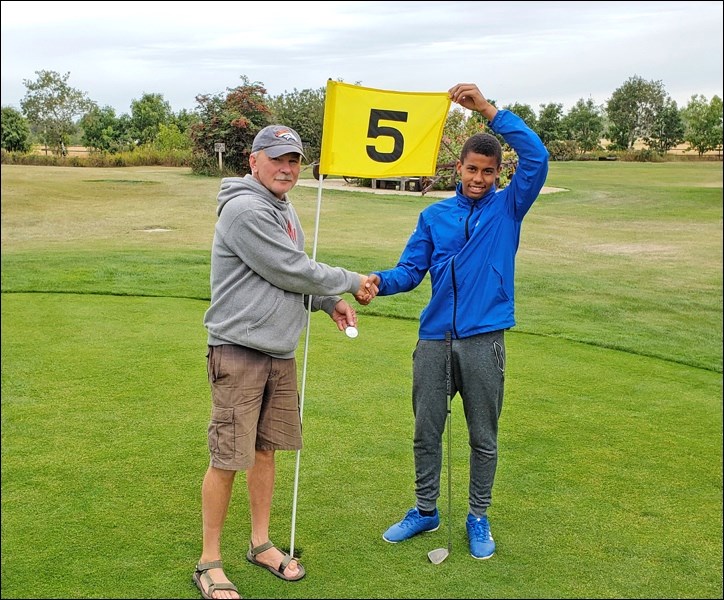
(438, 555)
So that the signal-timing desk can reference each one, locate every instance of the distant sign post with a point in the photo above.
(220, 148)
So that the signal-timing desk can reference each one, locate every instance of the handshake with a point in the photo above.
(368, 288)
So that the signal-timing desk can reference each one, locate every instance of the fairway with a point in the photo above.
(610, 473)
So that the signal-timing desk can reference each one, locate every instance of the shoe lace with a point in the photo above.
(481, 529)
(410, 518)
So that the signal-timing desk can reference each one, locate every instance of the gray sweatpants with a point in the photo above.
(478, 374)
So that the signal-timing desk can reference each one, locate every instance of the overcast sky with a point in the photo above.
(527, 52)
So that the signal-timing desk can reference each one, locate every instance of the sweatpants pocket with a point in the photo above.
(499, 356)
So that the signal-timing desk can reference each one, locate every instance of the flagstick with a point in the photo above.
(304, 367)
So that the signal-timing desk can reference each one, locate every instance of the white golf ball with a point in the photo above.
(351, 332)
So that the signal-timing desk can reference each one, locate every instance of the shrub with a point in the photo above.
(642, 155)
(143, 156)
(563, 150)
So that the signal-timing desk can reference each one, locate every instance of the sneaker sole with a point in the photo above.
(482, 557)
(412, 536)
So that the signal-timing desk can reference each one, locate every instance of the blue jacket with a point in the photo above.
(469, 246)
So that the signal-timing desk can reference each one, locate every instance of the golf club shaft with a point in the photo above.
(448, 382)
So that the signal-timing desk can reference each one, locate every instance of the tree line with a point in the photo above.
(53, 113)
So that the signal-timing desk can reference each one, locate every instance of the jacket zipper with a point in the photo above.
(452, 268)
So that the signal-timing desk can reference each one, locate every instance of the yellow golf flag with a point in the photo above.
(379, 133)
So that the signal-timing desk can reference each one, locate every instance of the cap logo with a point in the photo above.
(277, 139)
(286, 134)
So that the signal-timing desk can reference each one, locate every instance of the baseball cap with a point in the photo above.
(276, 140)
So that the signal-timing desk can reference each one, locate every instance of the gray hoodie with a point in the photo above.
(261, 275)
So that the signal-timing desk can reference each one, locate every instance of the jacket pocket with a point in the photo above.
(272, 310)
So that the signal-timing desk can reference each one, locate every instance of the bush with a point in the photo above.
(563, 150)
(144, 156)
(642, 155)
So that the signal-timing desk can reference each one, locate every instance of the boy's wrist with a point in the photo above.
(488, 111)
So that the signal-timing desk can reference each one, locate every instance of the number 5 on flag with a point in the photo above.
(379, 133)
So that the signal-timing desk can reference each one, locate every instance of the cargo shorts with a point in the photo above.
(254, 405)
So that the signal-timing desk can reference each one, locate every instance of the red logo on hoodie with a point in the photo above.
(291, 231)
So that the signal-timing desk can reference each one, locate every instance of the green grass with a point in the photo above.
(610, 474)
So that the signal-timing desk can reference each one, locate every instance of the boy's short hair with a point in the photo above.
(482, 143)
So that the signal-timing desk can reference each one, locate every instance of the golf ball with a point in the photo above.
(351, 332)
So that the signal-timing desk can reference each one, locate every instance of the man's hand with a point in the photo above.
(344, 315)
(368, 289)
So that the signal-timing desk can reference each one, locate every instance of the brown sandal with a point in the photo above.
(251, 557)
(212, 586)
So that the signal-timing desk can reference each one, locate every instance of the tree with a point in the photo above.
(184, 119)
(15, 131)
(703, 122)
(233, 119)
(550, 123)
(525, 112)
(103, 132)
(584, 124)
(457, 129)
(668, 128)
(147, 116)
(632, 111)
(303, 111)
(52, 108)
(171, 138)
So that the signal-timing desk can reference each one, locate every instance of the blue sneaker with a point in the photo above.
(482, 545)
(411, 525)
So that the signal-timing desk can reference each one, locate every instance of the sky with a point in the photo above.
(516, 52)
